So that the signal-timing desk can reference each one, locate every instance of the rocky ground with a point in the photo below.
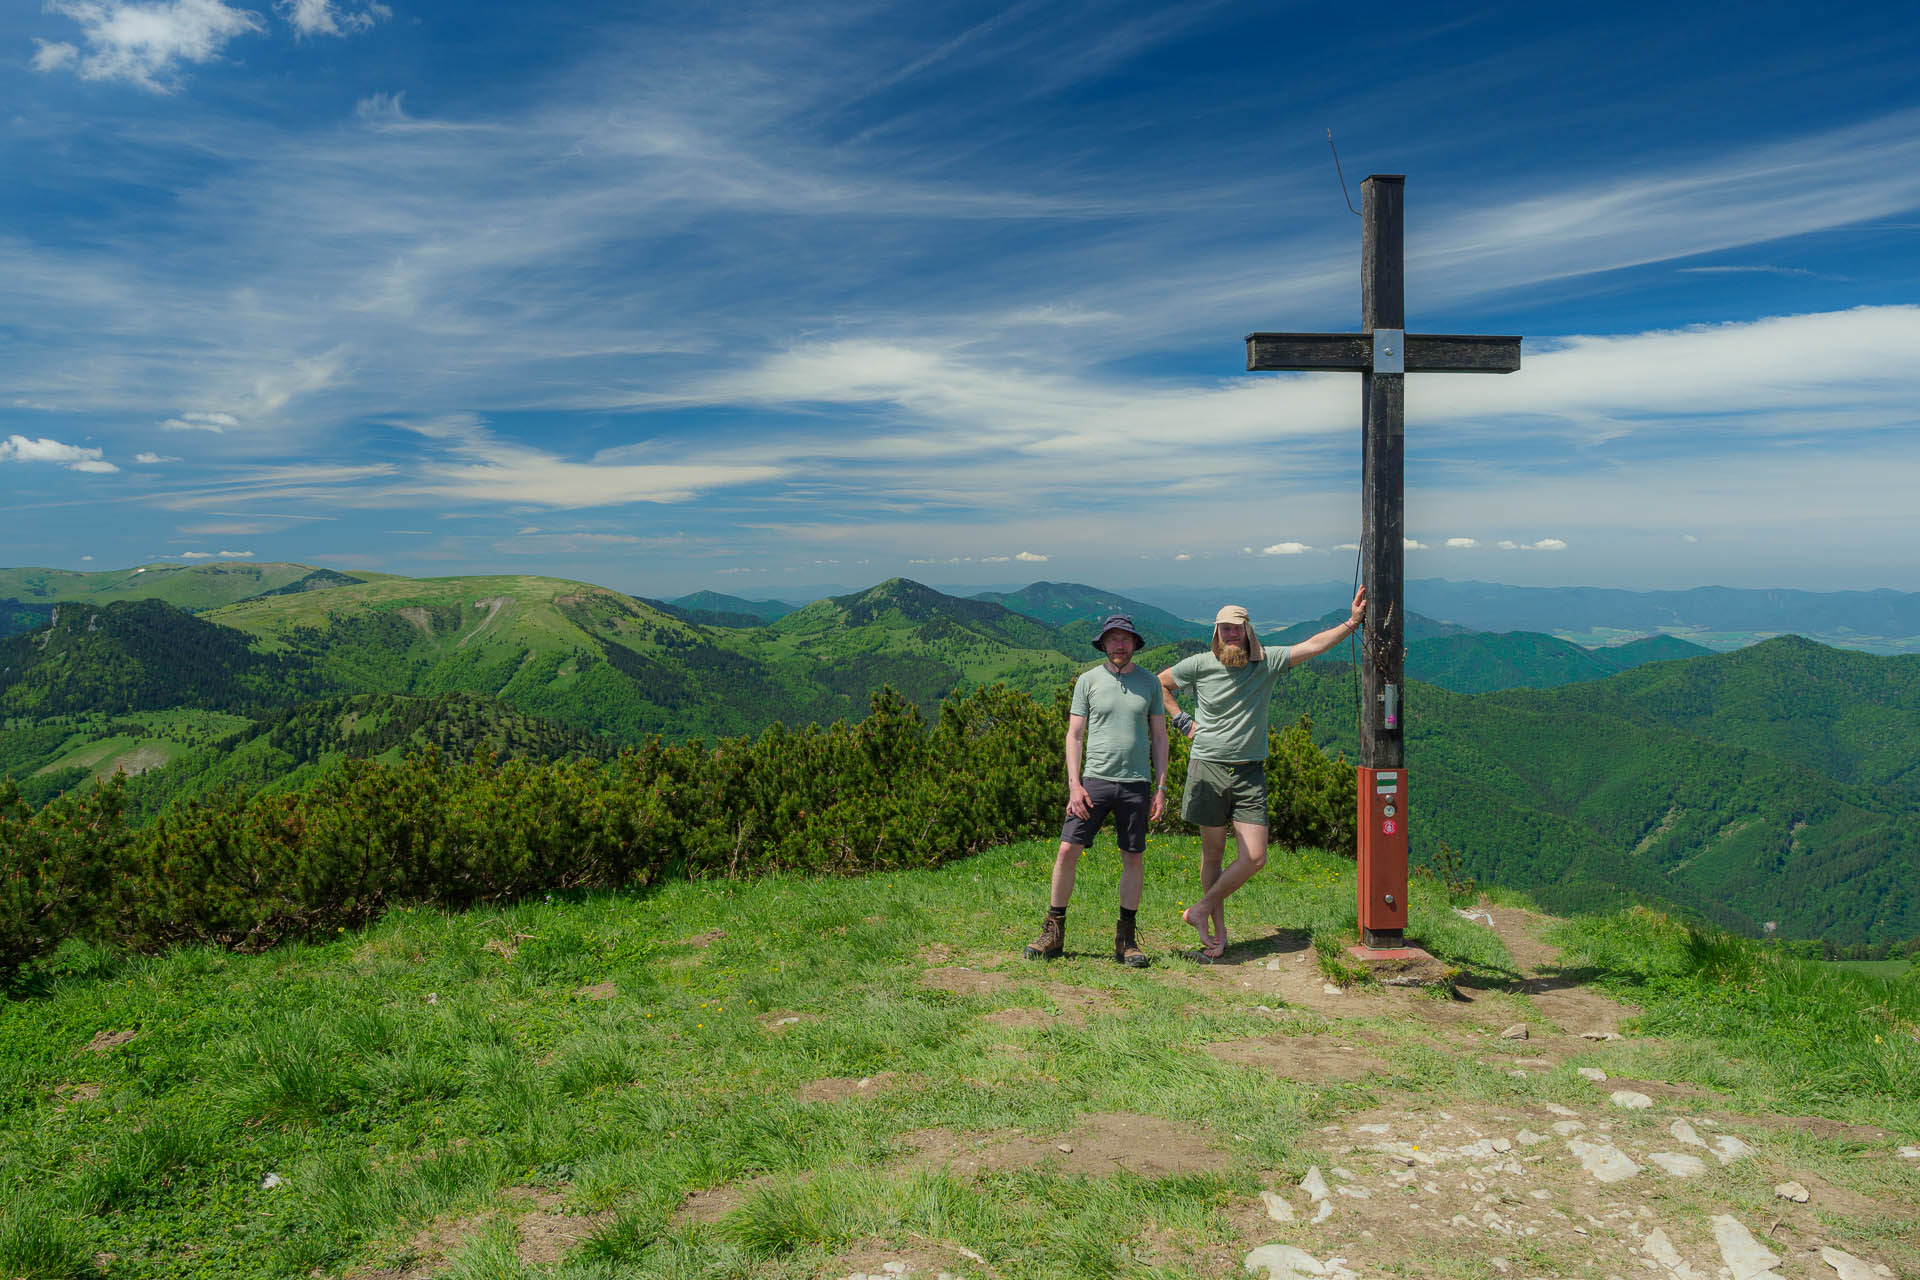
(1645, 1178)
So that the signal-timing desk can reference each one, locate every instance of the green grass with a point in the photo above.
(414, 1073)
(1875, 968)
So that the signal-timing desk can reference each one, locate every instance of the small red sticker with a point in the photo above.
(1388, 827)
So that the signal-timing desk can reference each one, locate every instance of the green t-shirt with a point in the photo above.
(1232, 705)
(1119, 742)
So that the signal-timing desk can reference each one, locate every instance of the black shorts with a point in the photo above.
(1128, 802)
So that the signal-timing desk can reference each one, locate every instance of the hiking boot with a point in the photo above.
(1052, 941)
(1125, 949)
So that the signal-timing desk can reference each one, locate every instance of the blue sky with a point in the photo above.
(667, 297)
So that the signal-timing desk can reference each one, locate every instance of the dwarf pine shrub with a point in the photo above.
(896, 789)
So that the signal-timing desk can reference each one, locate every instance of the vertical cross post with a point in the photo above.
(1383, 306)
(1383, 355)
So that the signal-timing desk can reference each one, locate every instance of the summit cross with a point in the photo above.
(1383, 353)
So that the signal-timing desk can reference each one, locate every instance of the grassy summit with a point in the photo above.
(801, 1077)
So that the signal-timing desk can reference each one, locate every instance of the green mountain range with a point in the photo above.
(1777, 783)
(1077, 610)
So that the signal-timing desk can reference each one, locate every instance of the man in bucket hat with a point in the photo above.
(1233, 684)
(1118, 721)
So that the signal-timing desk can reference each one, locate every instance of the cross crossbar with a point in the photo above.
(1353, 353)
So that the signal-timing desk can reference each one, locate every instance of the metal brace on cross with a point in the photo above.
(1382, 353)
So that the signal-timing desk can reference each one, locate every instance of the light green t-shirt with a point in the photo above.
(1232, 704)
(1119, 741)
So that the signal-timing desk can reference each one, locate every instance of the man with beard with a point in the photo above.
(1227, 768)
(1116, 717)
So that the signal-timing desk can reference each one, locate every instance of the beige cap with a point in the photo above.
(1238, 613)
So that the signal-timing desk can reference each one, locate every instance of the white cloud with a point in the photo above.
(144, 44)
(152, 459)
(985, 559)
(1544, 544)
(214, 422)
(1286, 549)
(51, 55)
(1409, 544)
(1688, 537)
(1183, 556)
(1029, 557)
(322, 18)
(86, 557)
(1462, 544)
(214, 555)
(489, 469)
(71, 456)
(1346, 546)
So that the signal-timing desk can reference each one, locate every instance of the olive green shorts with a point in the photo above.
(1219, 793)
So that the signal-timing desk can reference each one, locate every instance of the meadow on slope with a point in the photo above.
(808, 1076)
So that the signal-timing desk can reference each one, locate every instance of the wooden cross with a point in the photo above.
(1382, 353)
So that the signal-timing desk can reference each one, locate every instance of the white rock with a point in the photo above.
(1566, 1128)
(1373, 1128)
(1730, 1148)
(1594, 1074)
(1598, 1035)
(1679, 1165)
(1661, 1250)
(1686, 1133)
(1631, 1099)
(1273, 963)
(1606, 1162)
(1848, 1266)
(1528, 1138)
(1345, 1175)
(1327, 988)
(1314, 1184)
(271, 1181)
(1066, 1147)
(1792, 1191)
(786, 1022)
(1277, 1207)
(1518, 1031)
(1322, 1211)
(894, 1268)
(1284, 1262)
(1910, 1153)
(1358, 1193)
(1554, 1108)
(1517, 1074)
(1503, 1144)
(1746, 1257)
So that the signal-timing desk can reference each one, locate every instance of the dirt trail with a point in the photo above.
(1559, 994)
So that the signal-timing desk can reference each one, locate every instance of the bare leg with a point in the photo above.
(1213, 846)
(1133, 877)
(1251, 838)
(1065, 864)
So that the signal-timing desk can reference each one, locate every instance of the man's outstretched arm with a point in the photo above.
(1314, 646)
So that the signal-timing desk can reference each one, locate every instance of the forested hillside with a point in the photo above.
(1554, 791)
(1777, 783)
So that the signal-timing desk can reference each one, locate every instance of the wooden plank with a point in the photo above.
(1353, 353)
(1383, 275)
(1461, 353)
(1273, 352)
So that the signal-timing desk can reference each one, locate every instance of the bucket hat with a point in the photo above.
(1238, 613)
(1117, 622)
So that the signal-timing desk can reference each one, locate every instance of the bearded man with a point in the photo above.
(1227, 769)
(1117, 720)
